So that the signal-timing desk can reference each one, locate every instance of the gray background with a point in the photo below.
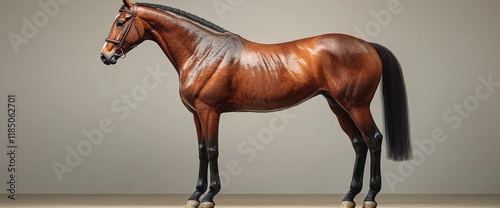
(63, 88)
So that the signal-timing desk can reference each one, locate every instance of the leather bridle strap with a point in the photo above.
(119, 52)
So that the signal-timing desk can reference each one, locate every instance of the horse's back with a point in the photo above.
(278, 75)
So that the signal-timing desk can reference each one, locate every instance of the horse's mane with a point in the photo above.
(185, 14)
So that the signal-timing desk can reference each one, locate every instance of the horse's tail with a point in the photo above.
(397, 126)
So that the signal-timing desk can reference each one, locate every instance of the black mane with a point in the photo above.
(185, 14)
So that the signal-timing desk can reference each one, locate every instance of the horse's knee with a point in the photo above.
(212, 153)
(202, 150)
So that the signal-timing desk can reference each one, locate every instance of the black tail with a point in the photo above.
(397, 126)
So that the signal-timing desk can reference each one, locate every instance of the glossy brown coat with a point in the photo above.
(222, 72)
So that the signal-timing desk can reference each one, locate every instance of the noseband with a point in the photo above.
(119, 52)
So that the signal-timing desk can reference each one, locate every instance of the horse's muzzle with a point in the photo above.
(108, 59)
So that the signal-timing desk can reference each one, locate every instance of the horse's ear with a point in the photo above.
(127, 3)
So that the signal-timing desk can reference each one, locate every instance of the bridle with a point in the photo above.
(119, 52)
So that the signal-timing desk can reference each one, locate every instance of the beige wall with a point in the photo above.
(446, 48)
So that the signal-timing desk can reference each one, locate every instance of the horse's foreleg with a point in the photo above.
(209, 118)
(202, 183)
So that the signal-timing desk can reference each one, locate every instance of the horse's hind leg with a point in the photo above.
(362, 117)
(360, 149)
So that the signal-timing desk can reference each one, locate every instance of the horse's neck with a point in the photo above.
(188, 44)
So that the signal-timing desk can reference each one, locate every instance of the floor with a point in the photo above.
(246, 201)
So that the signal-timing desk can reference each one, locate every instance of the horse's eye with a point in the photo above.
(120, 23)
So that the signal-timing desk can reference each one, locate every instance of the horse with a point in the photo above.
(221, 72)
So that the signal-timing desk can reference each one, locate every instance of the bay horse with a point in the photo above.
(221, 72)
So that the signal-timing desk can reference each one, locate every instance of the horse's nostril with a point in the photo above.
(104, 59)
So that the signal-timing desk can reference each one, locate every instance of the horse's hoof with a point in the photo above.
(369, 204)
(347, 204)
(207, 205)
(192, 204)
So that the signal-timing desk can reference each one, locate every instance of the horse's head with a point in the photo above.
(126, 33)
